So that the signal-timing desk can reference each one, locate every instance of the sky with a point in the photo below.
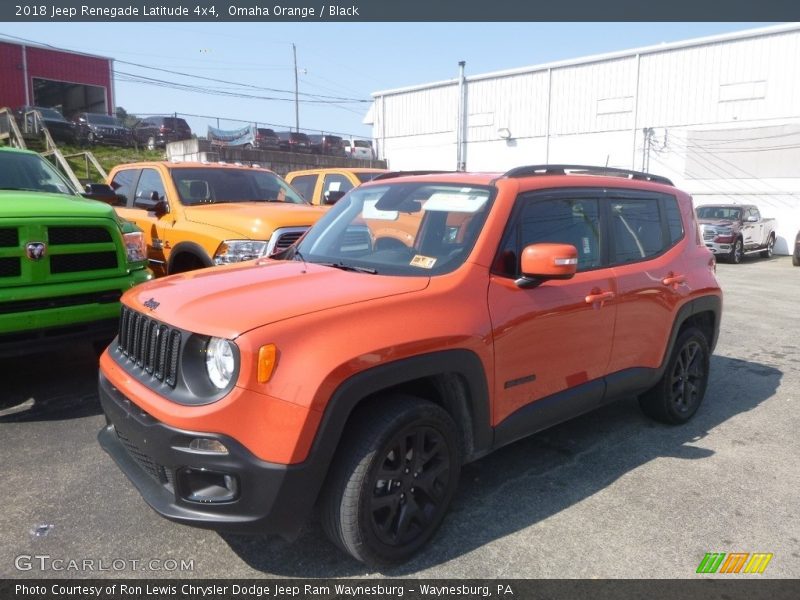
(339, 64)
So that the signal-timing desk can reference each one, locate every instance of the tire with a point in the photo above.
(737, 252)
(248, 146)
(151, 143)
(678, 394)
(796, 260)
(770, 249)
(91, 139)
(384, 448)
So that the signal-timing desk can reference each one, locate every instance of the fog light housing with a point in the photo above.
(207, 487)
(208, 446)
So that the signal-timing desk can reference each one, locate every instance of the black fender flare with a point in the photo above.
(192, 248)
(351, 392)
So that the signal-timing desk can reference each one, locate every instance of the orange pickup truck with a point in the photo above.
(197, 215)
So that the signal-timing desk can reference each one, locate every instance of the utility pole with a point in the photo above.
(296, 92)
(461, 159)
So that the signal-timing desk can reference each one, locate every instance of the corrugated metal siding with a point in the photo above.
(594, 97)
(431, 111)
(12, 90)
(518, 103)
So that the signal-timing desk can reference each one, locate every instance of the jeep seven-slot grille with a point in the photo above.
(58, 236)
(149, 346)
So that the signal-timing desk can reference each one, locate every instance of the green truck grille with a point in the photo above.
(74, 252)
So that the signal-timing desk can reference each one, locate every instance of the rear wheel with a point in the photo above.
(767, 253)
(392, 481)
(677, 396)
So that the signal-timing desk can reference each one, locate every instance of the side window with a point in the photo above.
(149, 182)
(635, 229)
(305, 185)
(122, 184)
(562, 220)
(754, 213)
(335, 183)
(674, 221)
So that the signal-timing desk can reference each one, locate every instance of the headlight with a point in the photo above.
(724, 231)
(232, 251)
(134, 246)
(220, 362)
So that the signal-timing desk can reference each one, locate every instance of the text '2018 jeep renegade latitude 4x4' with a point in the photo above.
(358, 373)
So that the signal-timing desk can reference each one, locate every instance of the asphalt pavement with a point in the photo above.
(608, 495)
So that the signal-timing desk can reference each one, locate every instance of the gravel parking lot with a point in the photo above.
(610, 494)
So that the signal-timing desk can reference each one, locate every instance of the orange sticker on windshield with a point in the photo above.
(424, 262)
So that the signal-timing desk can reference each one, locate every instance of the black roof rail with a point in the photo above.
(532, 170)
(393, 174)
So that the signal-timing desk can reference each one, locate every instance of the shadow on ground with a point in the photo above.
(531, 480)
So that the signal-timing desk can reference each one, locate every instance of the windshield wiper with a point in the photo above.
(345, 267)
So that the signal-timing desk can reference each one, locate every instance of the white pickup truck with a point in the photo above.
(733, 230)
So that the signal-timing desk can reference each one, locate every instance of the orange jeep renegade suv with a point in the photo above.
(358, 377)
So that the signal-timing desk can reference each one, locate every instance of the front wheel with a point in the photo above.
(678, 394)
(392, 481)
(770, 249)
(737, 252)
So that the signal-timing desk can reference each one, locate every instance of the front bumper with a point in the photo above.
(719, 248)
(265, 497)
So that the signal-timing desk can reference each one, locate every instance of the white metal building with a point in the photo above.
(719, 115)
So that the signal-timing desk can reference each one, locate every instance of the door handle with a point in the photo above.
(599, 297)
(673, 280)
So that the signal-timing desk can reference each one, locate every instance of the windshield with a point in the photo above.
(30, 172)
(51, 114)
(399, 229)
(213, 185)
(719, 212)
(103, 120)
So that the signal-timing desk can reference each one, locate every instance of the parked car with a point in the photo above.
(98, 128)
(358, 149)
(157, 132)
(266, 139)
(293, 141)
(733, 230)
(359, 379)
(60, 129)
(197, 215)
(64, 260)
(327, 144)
(326, 186)
(796, 253)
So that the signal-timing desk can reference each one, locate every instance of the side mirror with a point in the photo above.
(102, 192)
(332, 197)
(541, 262)
(153, 205)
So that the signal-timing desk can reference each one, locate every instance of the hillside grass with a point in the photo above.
(108, 157)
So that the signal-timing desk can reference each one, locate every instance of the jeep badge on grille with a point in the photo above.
(151, 303)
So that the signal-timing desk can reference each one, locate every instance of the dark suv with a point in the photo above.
(157, 132)
(327, 144)
(60, 129)
(99, 128)
(267, 139)
(293, 141)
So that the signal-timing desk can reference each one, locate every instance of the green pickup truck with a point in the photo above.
(64, 260)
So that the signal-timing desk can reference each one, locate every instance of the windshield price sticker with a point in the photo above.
(424, 262)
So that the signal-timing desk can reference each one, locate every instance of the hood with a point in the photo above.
(229, 301)
(254, 220)
(19, 204)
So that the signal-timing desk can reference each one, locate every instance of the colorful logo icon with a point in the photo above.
(735, 562)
